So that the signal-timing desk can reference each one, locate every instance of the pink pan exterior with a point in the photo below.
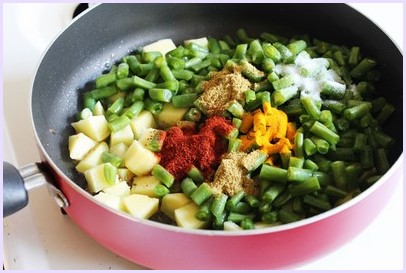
(161, 246)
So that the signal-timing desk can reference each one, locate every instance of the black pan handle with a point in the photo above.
(15, 195)
(17, 183)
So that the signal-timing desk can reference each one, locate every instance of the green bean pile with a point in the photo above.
(339, 147)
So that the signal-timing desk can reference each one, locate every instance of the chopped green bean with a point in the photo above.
(193, 114)
(247, 223)
(362, 68)
(188, 186)
(114, 160)
(272, 192)
(320, 130)
(310, 164)
(155, 107)
(295, 174)
(286, 216)
(160, 94)
(134, 109)
(272, 173)
(242, 35)
(160, 190)
(196, 175)
(298, 144)
(316, 202)
(201, 194)
(269, 217)
(204, 214)
(308, 186)
(110, 173)
(238, 217)
(119, 123)
(104, 92)
(232, 202)
(140, 82)
(218, 205)
(84, 114)
(123, 70)
(105, 79)
(163, 175)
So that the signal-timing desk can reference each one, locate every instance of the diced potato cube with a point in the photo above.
(231, 226)
(141, 122)
(170, 115)
(145, 185)
(95, 127)
(110, 200)
(120, 189)
(80, 145)
(140, 205)
(124, 135)
(96, 180)
(185, 217)
(93, 158)
(172, 202)
(153, 139)
(163, 46)
(139, 159)
(98, 109)
(119, 149)
(125, 174)
(203, 42)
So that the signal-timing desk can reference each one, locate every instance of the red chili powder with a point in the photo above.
(182, 150)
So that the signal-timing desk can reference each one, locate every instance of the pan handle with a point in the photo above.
(17, 183)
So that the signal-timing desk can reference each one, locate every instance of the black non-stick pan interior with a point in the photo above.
(103, 35)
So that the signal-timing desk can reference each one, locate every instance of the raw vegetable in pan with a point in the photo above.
(233, 133)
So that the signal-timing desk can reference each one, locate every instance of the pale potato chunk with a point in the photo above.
(185, 217)
(231, 226)
(93, 158)
(98, 109)
(125, 174)
(124, 135)
(203, 42)
(80, 145)
(172, 202)
(142, 122)
(120, 189)
(110, 200)
(119, 149)
(163, 46)
(140, 205)
(139, 159)
(170, 115)
(96, 180)
(153, 139)
(95, 127)
(145, 185)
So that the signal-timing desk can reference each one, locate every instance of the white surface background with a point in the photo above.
(40, 237)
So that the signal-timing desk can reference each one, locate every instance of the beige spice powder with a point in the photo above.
(232, 177)
(224, 87)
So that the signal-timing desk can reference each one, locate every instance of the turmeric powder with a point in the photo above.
(268, 131)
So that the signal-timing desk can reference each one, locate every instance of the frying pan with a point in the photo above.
(105, 33)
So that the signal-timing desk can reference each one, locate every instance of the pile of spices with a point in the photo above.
(267, 130)
(182, 149)
(232, 177)
(223, 88)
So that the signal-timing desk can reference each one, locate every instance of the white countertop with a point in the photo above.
(41, 237)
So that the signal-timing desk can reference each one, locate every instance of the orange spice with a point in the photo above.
(270, 131)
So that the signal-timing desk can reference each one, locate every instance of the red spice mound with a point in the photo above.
(182, 150)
